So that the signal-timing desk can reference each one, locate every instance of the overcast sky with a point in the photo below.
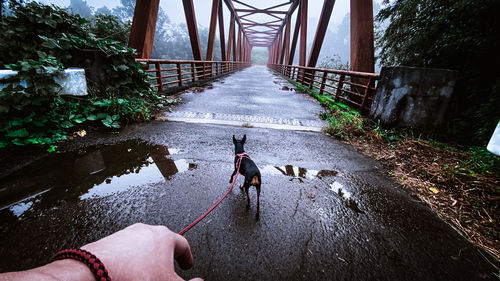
(175, 11)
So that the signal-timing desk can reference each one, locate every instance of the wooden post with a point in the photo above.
(367, 91)
(323, 81)
(193, 78)
(158, 77)
(143, 27)
(179, 74)
(340, 85)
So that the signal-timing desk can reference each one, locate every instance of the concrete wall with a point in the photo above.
(413, 97)
(72, 81)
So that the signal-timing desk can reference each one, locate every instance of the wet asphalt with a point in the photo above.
(326, 212)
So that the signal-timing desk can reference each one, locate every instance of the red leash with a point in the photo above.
(238, 163)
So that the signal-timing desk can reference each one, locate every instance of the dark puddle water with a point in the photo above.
(326, 176)
(92, 172)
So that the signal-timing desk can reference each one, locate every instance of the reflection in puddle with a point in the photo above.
(93, 172)
(298, 173)
(345, 195)
(340, 190)
(285, 88)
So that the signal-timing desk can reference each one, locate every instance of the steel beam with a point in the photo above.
(143, 27)
(211, 32)
(286, 44)
(295, 38)
(303, 33)
(238, 46)
(221, 33)
(192, 28)
(324, 19)
(230, 38)
(362, 50)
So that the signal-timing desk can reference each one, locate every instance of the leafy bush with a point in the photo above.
(39, 41)
(453, 34)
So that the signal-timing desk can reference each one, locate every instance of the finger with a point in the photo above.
(182, 253)
(196, 279)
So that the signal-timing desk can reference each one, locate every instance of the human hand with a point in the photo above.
(143, 252)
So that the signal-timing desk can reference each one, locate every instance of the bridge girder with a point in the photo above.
(275, 33)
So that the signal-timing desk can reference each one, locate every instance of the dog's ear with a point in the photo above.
(234, 140)
(244, 139)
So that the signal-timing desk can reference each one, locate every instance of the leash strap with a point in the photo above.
(238, 163)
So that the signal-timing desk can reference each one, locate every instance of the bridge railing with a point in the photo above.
(355, 89)
(178, 73)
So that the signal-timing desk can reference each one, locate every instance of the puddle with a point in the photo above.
(345, 196)
(93, 172)
(298, 173)
(285, 88)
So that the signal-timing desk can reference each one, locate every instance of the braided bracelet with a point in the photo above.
(95, 265)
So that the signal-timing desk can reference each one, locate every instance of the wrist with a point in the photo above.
(58, 270)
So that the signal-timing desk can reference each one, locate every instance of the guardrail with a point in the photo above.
(355, 89)
(178, 73)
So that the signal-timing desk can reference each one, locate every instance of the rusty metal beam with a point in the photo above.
(324, 19)
(295, 38)
(230, 38)
(261, 24)
(238, 46)
(234, 44)
(278, 52)
(362, 50)
(261, 11)
(221, 33)
(192, 28)
(143, 27)
(211, 32)
(303, 33)
(286, 44)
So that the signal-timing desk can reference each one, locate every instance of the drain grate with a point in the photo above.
(244, 120)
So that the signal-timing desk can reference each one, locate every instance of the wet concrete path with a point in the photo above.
(327, 212)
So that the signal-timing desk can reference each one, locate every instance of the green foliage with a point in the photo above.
(453, 34)
(334, 62)
(39, 41)
(109, 27)
(483, 161)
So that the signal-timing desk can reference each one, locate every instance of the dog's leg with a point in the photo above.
(247, 187)
(234, 173)
(257, 215)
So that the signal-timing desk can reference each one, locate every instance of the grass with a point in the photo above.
(460, 184)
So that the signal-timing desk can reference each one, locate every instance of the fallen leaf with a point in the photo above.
(81, 133)
(434, 190)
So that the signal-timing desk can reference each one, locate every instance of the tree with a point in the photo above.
(104, 11)
(126, 11)
(453, 34)
(81, 8)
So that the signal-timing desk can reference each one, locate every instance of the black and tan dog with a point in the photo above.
(247, 169)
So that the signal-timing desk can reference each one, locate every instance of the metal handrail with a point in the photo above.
(176, 74)
(353, 88)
